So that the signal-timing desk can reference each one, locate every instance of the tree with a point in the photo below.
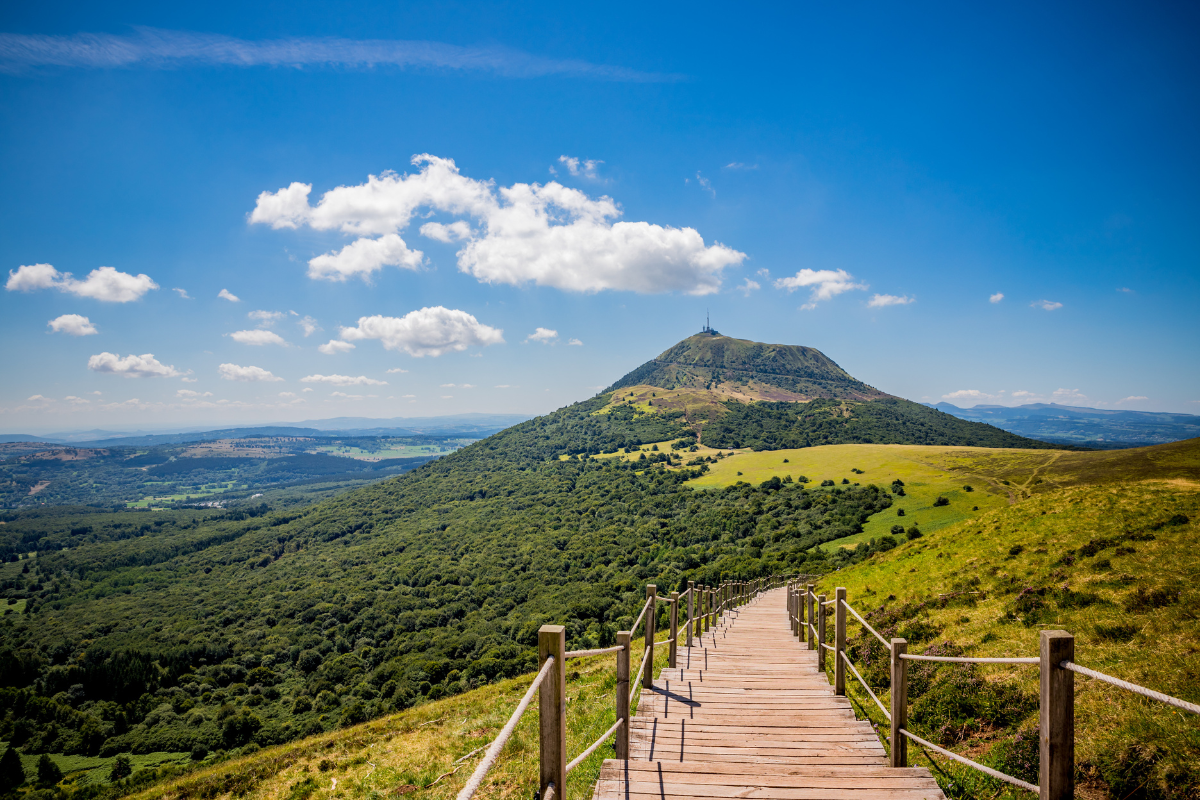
(48, 772)
(12, 774)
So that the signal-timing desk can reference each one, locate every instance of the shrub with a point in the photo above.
(897, 530)
(899, 512)
(785, 461)
(48, 772)
(968, 488)
(1019, 757)
(199, 753)
(827, 482)
(941, 501)
(845, 481)
(121, 768)
(1141, 600)
(303, 705)
(913, 533)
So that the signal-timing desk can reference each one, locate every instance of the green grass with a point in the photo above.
(16, 608)
(92, 770)
(1131, 605)
(197, 493)
(406, 752)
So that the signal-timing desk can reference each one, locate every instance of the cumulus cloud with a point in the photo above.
(72, 324)
(343, 380)
(426, 332)
(549, 235)
(233, 372)
(543, 335)
(1137, 398)
(580, 168)
(749, 286)
(706, 184)
(182, 293)
(76, 401)
(996, 298)
(257, 337)
(574, 343)
(308, 325)
(738, 165)
(1068, 396)
(396, 370)
(1046, 305)
(105, 284)
(362, 257)
(456, 386)
(156, 48)
(348, 396)
(188, 394)
(453, 232)
(969, 394)
(823, 284)
(1125, 290)
(884, 300)
(131, 366)
(225, 294)
(266, 319)
(333, 347)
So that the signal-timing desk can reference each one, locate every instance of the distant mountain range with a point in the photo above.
(1090, 427)
(473, 426)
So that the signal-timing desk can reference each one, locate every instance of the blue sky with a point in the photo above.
(980, 205)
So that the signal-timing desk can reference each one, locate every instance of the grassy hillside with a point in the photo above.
(1115, 565)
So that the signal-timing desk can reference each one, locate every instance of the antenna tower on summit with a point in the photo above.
(707, 327)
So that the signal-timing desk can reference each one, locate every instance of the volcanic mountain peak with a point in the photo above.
(749, 371)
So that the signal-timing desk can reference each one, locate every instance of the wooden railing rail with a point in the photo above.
(807, 612)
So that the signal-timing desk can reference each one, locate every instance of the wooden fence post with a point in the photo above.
(674, 629)
(622, 743)
(1056, 769)
(691, 610)
(821, 633)
(552, 710)
(651, 618)
(899, 703)
(712, 609)
(839, 641)
(791, 600)
(809, 634)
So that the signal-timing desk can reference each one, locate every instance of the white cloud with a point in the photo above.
(76, 401)
(105, 284)
(453, 232)
(1046, 305)
(1133, 399)
(182, 293)
(969, 394)
(396, 370)
(343, 380)
(426, 332)
(333, 347)
(287, 394)
(308, 325)
(457, 386)
(574, 343)
(257, 337)
(348, 396)
(266, 318)
(164, 49)
(131, 366)
(749, 286)
(706, 184)
(580, 168)
(73, 324)
(1068, 396)
(740, 166)
(548, 235)
(228, 295)
(543, 335)
(189, 394)
(407, 396)
(447, 397)
(1126, 290)
(883, 300)
(37, 398)
(184, 380)
(824, 284)
(233, 372)
(503, 386)
(996, 298)
(1022, 394)
(362, 257)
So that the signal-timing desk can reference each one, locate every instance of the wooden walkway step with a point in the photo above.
(746, 714)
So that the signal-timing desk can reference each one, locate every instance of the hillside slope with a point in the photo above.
(1114, 565)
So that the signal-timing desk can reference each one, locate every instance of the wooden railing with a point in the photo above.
(705, 607)
(808, 611)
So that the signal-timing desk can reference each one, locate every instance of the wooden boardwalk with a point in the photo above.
(747, 715)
